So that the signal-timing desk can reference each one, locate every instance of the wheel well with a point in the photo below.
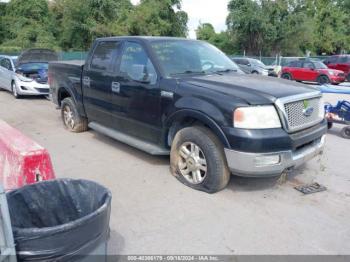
(180, 124)
(62, 94)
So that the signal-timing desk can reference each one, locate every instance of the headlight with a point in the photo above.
(23, 78)
(256, 117)
(331, 73)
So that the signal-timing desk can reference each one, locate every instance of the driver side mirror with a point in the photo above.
(249, 64)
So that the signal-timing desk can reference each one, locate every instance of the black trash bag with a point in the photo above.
(59, 220)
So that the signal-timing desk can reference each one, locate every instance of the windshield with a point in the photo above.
(33, 66)
(320, 65)
(258, 63)
(186, 57)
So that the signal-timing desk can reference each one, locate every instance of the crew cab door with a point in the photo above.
(97, 79)
(136, 94)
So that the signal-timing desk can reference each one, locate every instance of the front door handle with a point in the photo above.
(86, 81)
(116, 87)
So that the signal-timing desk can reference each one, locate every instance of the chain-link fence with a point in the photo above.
(277, 60)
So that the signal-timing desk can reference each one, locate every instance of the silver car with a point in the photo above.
(251, 66)
(27, 74)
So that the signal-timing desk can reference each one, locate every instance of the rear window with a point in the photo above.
(104, 55)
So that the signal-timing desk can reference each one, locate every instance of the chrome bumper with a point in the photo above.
(250, 164)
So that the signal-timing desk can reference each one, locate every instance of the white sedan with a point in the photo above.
(27, 74)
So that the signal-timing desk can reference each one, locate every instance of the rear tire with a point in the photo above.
(287, 76)
(323, 80)
(198, 160)
(346, 132)
(71, 118)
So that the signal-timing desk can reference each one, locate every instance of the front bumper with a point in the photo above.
(251, 164)
(32, 88)
(337, 79)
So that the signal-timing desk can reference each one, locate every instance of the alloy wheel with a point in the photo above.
(14, 90)
(68, 117)
(192, 163)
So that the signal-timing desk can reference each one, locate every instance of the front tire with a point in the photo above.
(71, 118)
(14, 90)
(323, 80)
(198, 160)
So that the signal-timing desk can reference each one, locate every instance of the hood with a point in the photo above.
(37, 55)
(254, 89)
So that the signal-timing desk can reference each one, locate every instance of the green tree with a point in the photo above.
(331, 27)
(158, 18)
(2, 26)
(221, 40)
(80, 22)
(28, 24)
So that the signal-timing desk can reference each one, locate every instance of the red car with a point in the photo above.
(312, 71)
(340, 62)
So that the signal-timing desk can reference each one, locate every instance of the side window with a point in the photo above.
(245, 62)
(238, 61)
(309, 65)
(293, 64)
(136, 64)
(104, 55)
(6, 63)
(296, 64)
(333, 59)
(344, 59)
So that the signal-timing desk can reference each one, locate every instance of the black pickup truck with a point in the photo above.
(188, 99)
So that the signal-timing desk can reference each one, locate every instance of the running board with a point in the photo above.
(130, 140)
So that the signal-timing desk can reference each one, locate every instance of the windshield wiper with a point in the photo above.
(188, 72)
(225, 71)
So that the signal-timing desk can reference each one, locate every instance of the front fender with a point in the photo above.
(203, 118)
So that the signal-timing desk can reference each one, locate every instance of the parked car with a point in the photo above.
(312, 71)
(339, 62)
(251, 66)
(275, 68)
(27, 74)
(187, 99)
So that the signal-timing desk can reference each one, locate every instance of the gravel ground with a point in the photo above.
(152, 213)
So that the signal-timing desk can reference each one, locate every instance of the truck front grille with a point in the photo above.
(303, 113)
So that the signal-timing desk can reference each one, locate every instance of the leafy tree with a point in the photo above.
(158, 18)
(2, 26)
(28, 24)
(221, 40)
(331, 27)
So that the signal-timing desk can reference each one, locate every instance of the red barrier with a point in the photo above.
(22, 161)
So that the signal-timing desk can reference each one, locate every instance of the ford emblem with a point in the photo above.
(308, 111)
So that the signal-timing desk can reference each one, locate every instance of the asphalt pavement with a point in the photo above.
(152, 213)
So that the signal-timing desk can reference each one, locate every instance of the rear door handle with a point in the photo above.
(116, 87)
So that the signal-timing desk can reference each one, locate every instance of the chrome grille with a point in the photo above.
(297, 119)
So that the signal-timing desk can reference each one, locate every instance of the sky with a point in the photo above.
(204, 11)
